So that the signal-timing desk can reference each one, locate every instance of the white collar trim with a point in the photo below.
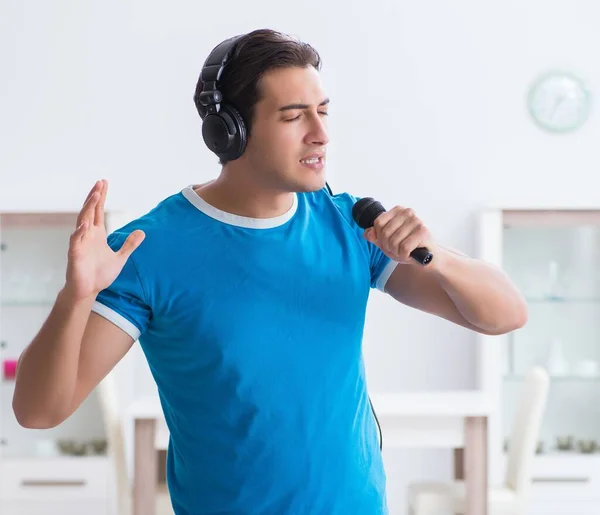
(237, 220)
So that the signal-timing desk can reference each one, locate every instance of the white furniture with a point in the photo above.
(510, 498)
(552, 254)
(107, 391)
(123, 492)
(65, 485)
(418, 420)
(35, 477)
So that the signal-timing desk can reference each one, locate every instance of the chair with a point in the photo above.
(510, 498)
(107, 394)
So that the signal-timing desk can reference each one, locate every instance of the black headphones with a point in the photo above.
(223, 128)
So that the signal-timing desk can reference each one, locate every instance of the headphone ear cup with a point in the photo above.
(225, 133)
(240, 125)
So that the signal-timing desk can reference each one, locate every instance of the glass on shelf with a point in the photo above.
(555, 287)
(554, 259)
(554, 262)
(27, 288)
(33, 257)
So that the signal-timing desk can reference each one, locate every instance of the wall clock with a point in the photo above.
(559, 102)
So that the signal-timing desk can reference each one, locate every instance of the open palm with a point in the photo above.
(92, 264)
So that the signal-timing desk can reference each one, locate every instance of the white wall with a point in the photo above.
(428, 110)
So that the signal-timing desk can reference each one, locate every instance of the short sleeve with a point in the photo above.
(123, 301)
(381, 266)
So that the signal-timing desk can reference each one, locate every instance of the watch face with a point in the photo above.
(559, 102)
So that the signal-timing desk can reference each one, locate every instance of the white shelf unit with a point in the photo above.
(553, 257)
(33, 471)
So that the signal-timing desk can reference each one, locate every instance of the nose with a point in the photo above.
(318, 131)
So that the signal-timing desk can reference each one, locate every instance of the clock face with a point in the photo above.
(559, 102)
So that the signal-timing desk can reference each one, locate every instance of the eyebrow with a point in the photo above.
(301, 106)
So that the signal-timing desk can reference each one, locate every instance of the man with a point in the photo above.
(248, 297)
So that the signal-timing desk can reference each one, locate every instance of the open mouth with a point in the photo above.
(313, 162)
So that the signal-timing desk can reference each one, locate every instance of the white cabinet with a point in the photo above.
(54, 479)
(38, 472)
(33, 258)
(55, 485)
(62, 508)
(563, 508)
(32, 486)
(553, 255)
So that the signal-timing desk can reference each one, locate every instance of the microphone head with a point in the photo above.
(365, 211)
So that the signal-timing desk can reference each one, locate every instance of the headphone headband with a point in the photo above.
(209, 97)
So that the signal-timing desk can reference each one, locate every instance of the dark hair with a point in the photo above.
(255, 54)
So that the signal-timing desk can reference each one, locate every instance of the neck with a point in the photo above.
(234, 192)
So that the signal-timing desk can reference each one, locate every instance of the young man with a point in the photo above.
(248, 297)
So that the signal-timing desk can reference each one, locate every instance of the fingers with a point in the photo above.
(400, 241)
(403, 246)
(91, 192)
(99, 209)
(388, 224)
(398, 232)
(131, 243)
(79, 233)
(87, 211)
(395, 219)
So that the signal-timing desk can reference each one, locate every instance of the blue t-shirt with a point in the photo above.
(253, 329)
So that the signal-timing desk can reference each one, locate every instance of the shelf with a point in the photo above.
(22, 455)
(555, 454)
(565, 378)
(27, 302)
(38, 220)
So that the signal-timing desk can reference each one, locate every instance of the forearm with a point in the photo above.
(47, 370)
(483, 293)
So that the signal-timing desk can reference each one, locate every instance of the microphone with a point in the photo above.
(366, 210)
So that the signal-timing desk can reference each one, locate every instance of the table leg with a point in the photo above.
(476, 466)
(459, 464)
(145, 477)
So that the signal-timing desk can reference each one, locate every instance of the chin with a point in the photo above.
(311, 181)
(309, 186)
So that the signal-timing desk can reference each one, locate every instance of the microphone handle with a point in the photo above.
(422, 255)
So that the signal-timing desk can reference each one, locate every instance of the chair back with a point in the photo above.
(107, 393)
(526, 430)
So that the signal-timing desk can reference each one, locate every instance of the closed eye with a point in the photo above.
(324, 113)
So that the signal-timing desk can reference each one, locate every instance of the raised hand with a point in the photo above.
(92, 264)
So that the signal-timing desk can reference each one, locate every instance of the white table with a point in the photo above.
(447, 419)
